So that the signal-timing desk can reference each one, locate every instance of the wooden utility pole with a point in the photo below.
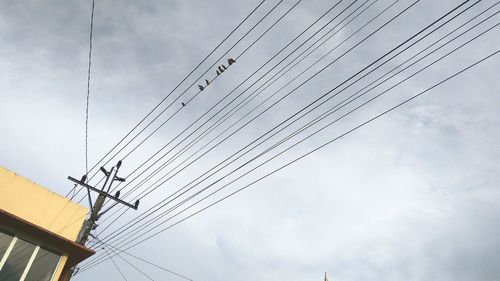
(95, 213)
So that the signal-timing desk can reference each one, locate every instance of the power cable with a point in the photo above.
(180, 83)
(330, 111)
(127, 193)
(421, 58)
(219, 120)
(318, 148)
(188, 101)
(88, 91)
(123, 212)
(129, 263)
(341, 136)
(318, 72)
(158, 169)
(143, 260)
(224, 130)
(114, 263)
(245, 101)
(208, 69)
(175, 88)
(87, 100)
(424, 29)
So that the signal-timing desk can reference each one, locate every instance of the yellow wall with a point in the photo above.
(40, 206)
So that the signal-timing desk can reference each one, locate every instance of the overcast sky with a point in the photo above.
(412, 196)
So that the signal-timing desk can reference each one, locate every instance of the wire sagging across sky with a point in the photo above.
(327, 113)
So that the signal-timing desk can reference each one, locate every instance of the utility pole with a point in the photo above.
(95, 213)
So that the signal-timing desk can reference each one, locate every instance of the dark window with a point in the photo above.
(5, 240)
(25, 260)
(43, 266)
(17, 260)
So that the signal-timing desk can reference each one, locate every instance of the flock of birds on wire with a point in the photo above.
(221, 68)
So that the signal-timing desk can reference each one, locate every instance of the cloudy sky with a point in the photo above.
(413, 195)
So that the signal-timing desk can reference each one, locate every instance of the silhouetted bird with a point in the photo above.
(220, 69)
(223, 66)
(218, 73)
(117, 194)
(183, 104)
(201, 87)
(208, 82)
(230, 61)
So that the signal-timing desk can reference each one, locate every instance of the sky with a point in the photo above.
(413, 195)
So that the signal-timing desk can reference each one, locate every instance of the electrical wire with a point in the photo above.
(245, 101)
(171, 116)
(310, 37)
(336, 108)
(180, 83)
(177, 86)
(240, 103)
(438, 48)
(87, 100)
(128, 192)
(158, 169)
(322, 146)
(190, 99)
(129, 263)
(114, 263)
(88, 91)
(224, 130)
(143, 260)
(335, 60)
(341, 136)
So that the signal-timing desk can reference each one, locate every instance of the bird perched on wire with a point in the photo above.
(224, 67)
(230, 61)
(183, 104)
(208, 82)
(201, 87)
(220, 69)
(218, 72)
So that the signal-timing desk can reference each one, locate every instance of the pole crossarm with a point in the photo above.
(133, 206)
(95, 213)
